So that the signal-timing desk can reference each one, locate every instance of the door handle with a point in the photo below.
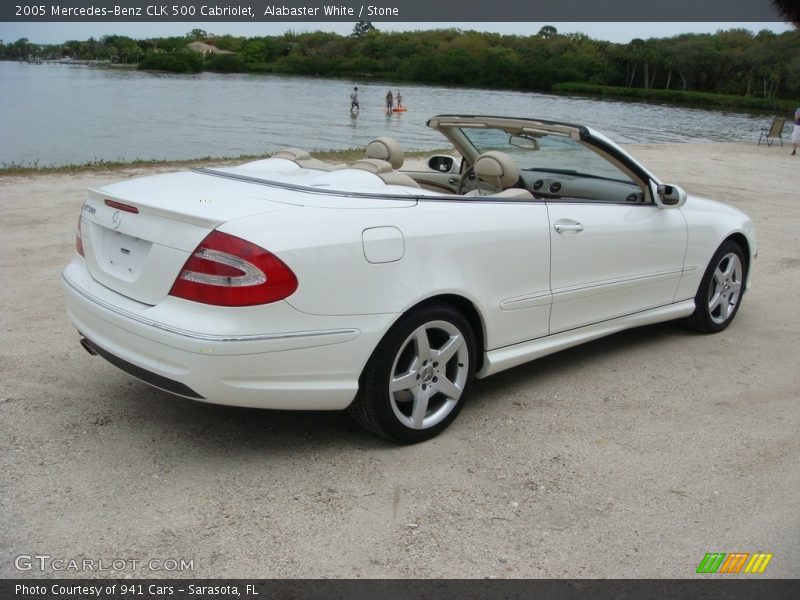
(452, 181)
(567, 226)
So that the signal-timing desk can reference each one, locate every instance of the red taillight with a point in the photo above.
(79, 239)
(122, 206)
(228, 271)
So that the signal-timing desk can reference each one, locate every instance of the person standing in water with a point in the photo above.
(354, 100)
(796, 131)
(399, 99)
(389, 101)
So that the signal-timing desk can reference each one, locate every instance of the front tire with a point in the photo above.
(720, 293)
(415, 383)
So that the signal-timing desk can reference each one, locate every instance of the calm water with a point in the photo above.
(55, 114)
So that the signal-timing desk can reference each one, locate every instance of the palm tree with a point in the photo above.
(789, 10)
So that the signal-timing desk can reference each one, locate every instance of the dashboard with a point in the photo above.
(554, 186)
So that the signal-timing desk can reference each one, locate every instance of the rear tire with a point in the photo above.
(720, 293)
(415, 383)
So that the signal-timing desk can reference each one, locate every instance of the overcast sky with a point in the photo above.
(54, 33)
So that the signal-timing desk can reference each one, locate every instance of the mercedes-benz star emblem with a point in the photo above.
(116, 219)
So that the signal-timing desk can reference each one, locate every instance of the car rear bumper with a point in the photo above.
(271, 356)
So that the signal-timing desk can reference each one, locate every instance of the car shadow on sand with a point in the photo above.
(632, 342)
(215, 429)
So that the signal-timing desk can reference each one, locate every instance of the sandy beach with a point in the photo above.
(629, 457)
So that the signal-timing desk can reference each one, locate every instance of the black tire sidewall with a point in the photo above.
(701, 318)
(379, 370)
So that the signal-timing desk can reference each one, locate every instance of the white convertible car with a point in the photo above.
(286, 283)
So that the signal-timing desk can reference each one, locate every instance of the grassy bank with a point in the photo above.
(332, 156)
(679, 97)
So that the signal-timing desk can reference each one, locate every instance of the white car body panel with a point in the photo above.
(364, 254)
(518, 354)
(218, 354)
(709, 221)
(327, 254)
(617, 280)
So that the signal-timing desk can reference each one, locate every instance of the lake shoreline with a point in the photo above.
(108, 118)
(332, 156)
(142, 167)
(681, 98)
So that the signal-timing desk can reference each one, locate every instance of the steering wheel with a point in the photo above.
(467, 181)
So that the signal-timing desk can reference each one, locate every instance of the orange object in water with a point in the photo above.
(399, 109)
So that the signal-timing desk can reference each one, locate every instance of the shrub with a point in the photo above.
(678, 96)
(174, 62)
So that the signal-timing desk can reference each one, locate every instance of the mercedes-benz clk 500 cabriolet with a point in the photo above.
(287, 283)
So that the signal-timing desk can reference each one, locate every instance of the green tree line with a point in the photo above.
(734, 62)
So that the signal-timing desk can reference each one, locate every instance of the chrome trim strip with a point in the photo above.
(527, 301)
(302, 188)
(602, 287)
(201, 336)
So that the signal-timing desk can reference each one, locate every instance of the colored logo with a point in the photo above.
(732, 563)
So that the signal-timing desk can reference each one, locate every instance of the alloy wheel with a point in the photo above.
(429, 374)
(725, 288)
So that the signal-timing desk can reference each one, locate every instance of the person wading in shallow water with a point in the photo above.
(389, 101)
(796, 131)
(399, 99)
(354, 100)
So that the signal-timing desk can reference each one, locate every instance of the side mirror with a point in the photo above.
(441, 163)
(670, 196)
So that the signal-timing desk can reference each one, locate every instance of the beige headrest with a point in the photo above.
(292, 154)
(385, 148)
(497, 168)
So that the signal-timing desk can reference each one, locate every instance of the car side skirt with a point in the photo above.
(512, 356)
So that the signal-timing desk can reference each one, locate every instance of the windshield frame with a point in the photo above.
(449, 125)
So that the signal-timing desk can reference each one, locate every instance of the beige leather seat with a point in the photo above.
(302, 159)
(498, 170)
(384, 155)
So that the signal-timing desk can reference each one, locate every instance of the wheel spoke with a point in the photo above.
(446, 352)
(420, 407)
(725, 309)
(422, 345)
(734, 287)
(714, 302)
(403, 382)
(448, 388)
(729, 268)
(719, 276)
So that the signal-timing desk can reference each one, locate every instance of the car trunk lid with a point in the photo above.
(138, 234)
